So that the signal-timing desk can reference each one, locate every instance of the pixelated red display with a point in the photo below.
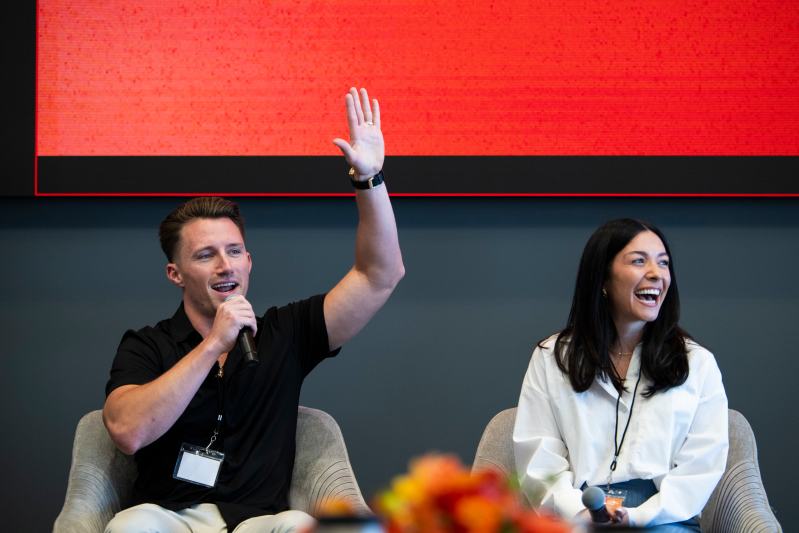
(573, 77)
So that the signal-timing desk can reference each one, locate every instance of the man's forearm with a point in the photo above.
(377, 250)
(378, 261)
(137, 415)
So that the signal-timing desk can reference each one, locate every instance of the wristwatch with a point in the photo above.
(371, 183)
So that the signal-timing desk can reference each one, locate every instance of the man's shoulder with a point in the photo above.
(163, 335)
(143, 354)
(160, 329)
(295, 308)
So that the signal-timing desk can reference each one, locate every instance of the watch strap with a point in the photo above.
(371, 183)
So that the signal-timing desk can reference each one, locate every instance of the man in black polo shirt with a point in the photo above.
(213, 436)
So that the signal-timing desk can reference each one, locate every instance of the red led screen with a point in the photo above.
(577, 77)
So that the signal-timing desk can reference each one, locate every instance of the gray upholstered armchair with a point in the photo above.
(101, 477)
(738, 505)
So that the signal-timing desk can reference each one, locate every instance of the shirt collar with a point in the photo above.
(180, 326)
(181, 330)
(632, 375)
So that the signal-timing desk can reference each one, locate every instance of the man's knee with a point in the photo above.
(286, 522)
(295, 521)
(144, 518)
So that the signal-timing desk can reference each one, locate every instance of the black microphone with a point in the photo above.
(247, 345)
(594, 500)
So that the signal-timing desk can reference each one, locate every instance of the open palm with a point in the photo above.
(365, 151)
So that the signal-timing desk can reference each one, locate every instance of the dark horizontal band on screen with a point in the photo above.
(422, 176)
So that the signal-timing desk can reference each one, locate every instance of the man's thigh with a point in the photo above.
(151, 518)
(285, 522)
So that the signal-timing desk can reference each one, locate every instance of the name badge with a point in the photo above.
(198, 465)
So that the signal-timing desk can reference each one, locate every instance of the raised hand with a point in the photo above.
(365, 150)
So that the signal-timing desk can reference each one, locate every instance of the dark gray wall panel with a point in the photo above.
(485, 280)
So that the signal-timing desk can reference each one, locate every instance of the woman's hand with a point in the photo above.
(621, 517)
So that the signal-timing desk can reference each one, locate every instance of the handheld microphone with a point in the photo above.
(594, 500)
(247, 345)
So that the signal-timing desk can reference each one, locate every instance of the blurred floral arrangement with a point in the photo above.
(438, 495)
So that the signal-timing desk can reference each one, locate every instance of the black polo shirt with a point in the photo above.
(260, 410)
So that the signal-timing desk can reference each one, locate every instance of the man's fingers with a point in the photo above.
(345, 148)
(239, 309)
(367, 109)
(238, 301)
(245, 316)
(253, 325)
(376, 112)
(357, 103)
(352, 116)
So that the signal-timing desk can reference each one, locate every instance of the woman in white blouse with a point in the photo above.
(622, 398)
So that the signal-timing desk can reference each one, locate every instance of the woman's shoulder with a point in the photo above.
(543, 369)
(544, 358)
(700, 358)
(546, 346)
(696, 350)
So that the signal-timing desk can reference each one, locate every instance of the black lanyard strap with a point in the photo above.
(617, 445)
(220, 404)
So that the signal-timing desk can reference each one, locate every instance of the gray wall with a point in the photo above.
(486, 278)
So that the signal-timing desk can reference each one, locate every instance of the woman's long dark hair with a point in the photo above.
(582, 349)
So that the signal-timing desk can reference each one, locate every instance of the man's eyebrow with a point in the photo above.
(203, 249)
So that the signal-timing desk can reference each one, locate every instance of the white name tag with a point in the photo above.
(198, 465)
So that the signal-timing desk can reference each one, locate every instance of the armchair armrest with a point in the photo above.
(322, 469)
(739, 503)
(100, 479)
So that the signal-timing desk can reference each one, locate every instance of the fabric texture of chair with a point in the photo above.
(101, 477)
(737, 505)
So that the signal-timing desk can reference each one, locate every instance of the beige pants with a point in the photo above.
(202, 518)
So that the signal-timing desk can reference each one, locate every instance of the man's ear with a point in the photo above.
(174, 275)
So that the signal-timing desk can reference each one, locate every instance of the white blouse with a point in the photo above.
(678, 438)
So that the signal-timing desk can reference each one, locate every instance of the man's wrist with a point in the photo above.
(364, 182)
(211, 346)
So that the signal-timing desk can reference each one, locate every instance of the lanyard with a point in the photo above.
(220, 407)
(617, 445)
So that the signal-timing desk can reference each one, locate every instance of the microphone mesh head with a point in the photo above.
(593, 498)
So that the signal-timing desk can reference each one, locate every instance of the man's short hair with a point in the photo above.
(202, 207)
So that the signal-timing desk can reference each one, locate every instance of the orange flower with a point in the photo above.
(435, 472)
(335, 507)
(478, 515)
(410, 489)
(439, 495)
(532, 522)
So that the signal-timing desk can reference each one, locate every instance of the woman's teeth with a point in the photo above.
(649, 295)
